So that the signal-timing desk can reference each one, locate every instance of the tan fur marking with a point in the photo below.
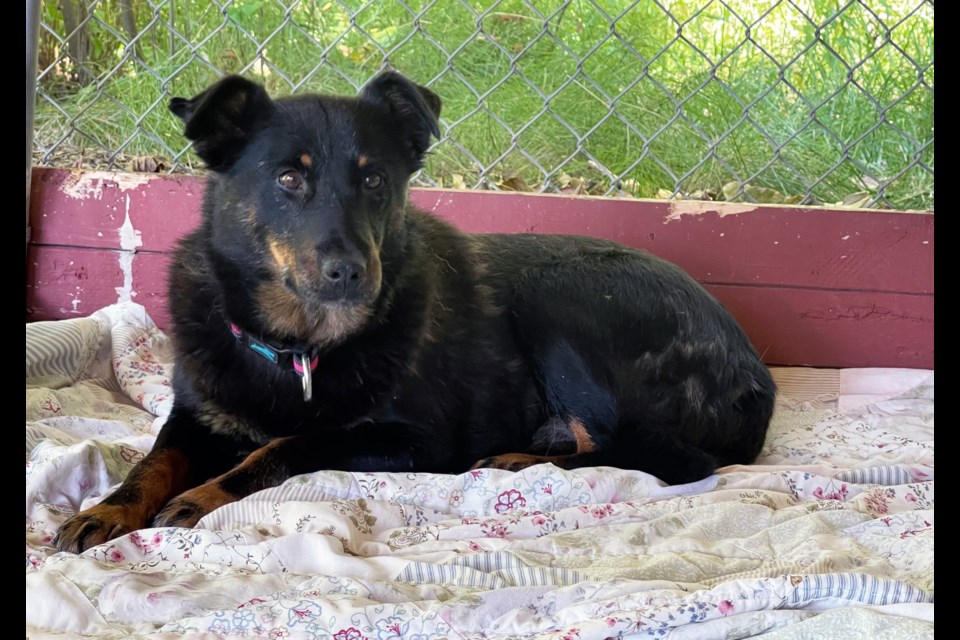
(284, 256)
(585, 443)
(362, 161)
(262, 451)
(201, 500)
(516, 461)
(208, 496)
(284, 313)
(306, 160)
(154, 480)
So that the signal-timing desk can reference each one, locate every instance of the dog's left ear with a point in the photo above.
(417, 108)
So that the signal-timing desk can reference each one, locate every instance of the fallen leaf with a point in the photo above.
(858, 200)
(760, 195)
(147, 164)
(595, 188)
(576, 187)
(730, 190)
(562, 181)
(764, 195)
(516, 183)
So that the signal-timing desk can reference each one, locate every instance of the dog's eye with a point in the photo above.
(373, 181)
(290, 180)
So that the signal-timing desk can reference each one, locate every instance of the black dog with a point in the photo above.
(320, 322)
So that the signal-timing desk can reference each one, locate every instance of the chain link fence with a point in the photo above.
(796, 101)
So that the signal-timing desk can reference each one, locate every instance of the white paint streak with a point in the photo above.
(126, 292)
(699, 207)
(130, 239)
(90, 184)
(846, 237)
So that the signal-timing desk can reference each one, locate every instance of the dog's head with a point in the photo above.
(306, 194)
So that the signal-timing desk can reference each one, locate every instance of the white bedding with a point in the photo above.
(828, 535)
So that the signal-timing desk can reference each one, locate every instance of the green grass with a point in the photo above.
(804, 126)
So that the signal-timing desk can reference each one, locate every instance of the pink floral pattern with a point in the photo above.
(348, 634)
(509, 500)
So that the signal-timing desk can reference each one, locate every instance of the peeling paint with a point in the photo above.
(126, 293)
(863, 313)
(130, 239)
(680, 208)
(90, 184)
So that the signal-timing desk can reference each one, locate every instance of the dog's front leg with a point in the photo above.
(369, 447)
(181, 457)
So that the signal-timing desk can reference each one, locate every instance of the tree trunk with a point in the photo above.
(129, 20)
(78, 41)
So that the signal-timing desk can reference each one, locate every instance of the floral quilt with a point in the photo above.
(828, 535)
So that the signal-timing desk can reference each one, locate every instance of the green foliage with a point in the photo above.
(692, 101)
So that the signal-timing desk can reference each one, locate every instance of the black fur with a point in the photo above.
(436, 349)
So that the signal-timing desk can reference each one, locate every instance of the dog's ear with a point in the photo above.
(417, 108)
(220, 119)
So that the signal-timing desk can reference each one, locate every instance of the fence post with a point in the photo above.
(33, 38)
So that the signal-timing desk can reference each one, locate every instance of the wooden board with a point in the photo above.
(810, 286)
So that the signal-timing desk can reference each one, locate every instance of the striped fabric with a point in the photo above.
(807, 388)
(496, 570)
(855, 587)
(890, 476)
(59, 352)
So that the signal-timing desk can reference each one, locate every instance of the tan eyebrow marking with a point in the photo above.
(306, 160)
(362, 161)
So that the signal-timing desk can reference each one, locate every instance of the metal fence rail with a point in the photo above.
(801, 101)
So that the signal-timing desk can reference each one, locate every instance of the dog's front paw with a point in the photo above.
(179, 512)
(186, 509)
(97, 525)
(516, 461)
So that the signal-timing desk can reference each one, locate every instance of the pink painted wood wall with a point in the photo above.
(818, 287)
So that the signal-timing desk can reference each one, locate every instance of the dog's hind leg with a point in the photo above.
(585, 427)
(654, 452)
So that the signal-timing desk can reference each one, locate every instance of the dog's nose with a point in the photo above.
(346, 273)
